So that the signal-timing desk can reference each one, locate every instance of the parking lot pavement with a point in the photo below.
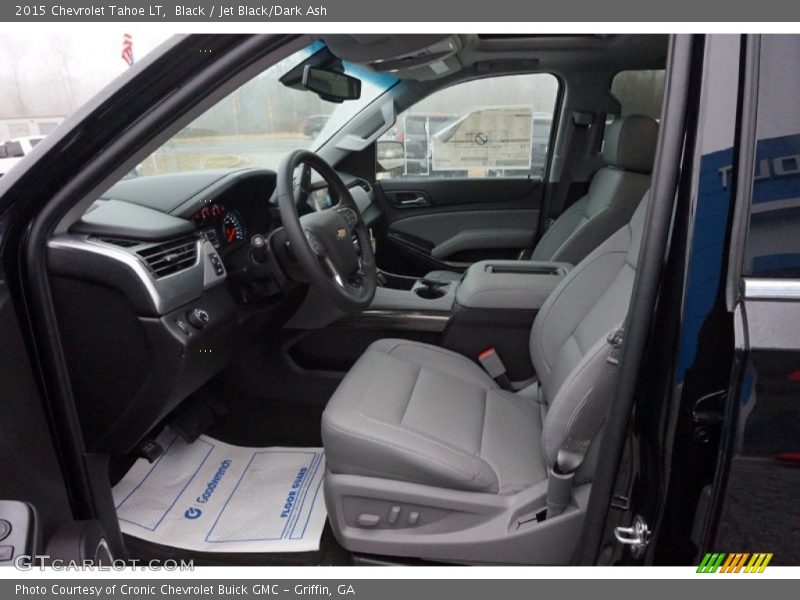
(251, 151)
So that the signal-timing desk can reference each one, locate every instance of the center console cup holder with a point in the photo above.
(429, 292)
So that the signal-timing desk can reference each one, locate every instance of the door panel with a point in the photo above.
(442, 223)
(758, 500)
(26, 447)
(758, 497)
(460, 173)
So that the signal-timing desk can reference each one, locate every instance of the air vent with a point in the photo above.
(170, 257)
(122, 242)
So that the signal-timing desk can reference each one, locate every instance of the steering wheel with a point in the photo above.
(332, 245)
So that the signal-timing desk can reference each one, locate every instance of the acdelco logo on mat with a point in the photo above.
(735, 562)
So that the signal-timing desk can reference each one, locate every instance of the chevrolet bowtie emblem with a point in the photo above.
(341, 233)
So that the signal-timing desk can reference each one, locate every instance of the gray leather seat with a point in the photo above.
(410, 418)
(414, 412)
(613, 195)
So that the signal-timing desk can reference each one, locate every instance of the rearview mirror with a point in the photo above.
(331, 85)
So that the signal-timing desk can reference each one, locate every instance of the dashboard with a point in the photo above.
(158, 284)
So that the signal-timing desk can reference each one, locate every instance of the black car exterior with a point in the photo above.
(711, 462)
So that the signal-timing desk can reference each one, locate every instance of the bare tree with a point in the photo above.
(59, 59)
(13, 50)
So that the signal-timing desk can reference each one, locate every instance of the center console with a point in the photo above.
(412, 292)
(509, 284)
(493, 306)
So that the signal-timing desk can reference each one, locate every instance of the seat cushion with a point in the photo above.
(415, 412)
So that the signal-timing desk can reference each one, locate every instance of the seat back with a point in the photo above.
(573, 323)
(614, 193)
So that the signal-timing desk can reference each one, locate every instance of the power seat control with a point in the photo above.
(198, 318)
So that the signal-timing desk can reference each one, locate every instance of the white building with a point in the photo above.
(27, 126)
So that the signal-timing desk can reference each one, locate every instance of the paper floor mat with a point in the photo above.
(214, 497)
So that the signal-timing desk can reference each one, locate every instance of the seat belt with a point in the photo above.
(582, 428)
(581, 122)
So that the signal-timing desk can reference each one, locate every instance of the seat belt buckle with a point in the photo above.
(492, 363)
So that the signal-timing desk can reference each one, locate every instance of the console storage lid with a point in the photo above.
(510, 284)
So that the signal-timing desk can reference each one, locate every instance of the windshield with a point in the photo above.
(260, 122)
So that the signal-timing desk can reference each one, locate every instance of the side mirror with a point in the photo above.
(390, 155)
(331, 85)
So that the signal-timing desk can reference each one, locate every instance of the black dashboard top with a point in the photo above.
(173, 193)
(166, 206)
(227, 205)
(117, 219)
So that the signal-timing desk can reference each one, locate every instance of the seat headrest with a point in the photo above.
(630, 143)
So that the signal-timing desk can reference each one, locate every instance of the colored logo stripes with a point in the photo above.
(735, 562)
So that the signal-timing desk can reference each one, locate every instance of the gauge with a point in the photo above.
(232, 228)
(210, 212)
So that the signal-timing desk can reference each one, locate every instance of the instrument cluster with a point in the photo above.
(221, 226)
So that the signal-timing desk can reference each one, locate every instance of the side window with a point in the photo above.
(773, 243)
(639, 92)
(495, 127)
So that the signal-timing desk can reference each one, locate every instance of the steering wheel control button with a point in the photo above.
(5, 529)
(198, 318)
(349, 216)
(316, 247)
(6, 553)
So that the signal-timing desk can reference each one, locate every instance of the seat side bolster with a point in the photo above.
(369, 447)
(551, 329)
(571, 396)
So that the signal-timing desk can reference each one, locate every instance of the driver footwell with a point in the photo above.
(213, 497)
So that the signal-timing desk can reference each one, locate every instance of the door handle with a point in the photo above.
(413, 202)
